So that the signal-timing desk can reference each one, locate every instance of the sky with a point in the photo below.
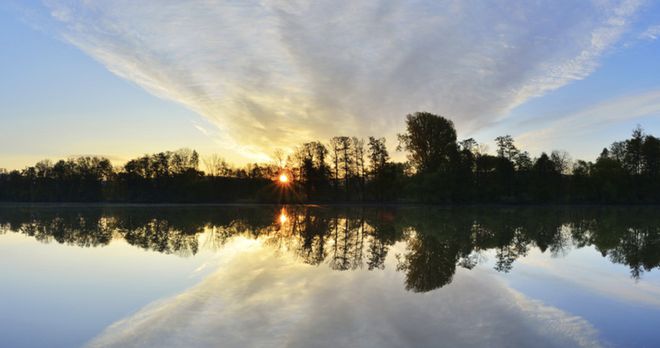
(244, 78)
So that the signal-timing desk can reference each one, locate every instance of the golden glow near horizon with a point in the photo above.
(284, 179)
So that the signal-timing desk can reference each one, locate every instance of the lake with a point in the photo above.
(340, 276)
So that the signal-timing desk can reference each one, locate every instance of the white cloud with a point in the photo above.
(593, 119)
(587, 268)
(651, 33)
(262, 298)
(273, 73)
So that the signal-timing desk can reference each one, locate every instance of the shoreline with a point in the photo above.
(321, 205)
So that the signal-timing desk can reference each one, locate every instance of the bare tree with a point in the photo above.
(506, 147)
(378, 155)
(358, 161)
(217, 166)
(280, 158)
(562, 161)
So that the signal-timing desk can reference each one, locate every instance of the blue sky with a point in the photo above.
(123, 78)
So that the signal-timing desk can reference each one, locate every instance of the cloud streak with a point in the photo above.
(652, 33)
(273, 73)
(595, 118)
(616, 284)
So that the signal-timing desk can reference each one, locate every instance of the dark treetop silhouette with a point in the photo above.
(439, 170)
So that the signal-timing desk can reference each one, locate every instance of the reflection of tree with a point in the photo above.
(437, 240)
(376, 254)
(429, 262)
(515, 247)
(83, 230)
(343, 245)
(159, 236)
(627, 236)
(639, 248)
(383, 235)
(313, 229)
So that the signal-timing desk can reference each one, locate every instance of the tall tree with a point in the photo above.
(357, 146)
(217, 166)
(430, 141)
(562, 161)
(343, 160)
(335, 147)
(378, 155)
(651, 156)
(506, 147)
(546, 178)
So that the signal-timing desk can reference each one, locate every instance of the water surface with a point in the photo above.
(301, 276)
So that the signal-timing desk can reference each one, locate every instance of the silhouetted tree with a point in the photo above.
(506, 147)
(314, 172)
(546, 179)
(608, 174)
(430, 141)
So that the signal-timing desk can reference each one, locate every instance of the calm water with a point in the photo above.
(241, 276)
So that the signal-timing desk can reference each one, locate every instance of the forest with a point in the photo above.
(439, 170)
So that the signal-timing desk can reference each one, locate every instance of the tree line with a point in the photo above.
(439, 169)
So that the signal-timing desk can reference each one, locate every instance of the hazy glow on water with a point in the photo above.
(364, 277)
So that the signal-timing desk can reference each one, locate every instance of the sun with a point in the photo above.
(283, 178)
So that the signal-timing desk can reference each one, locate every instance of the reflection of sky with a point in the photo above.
(584, 283)
(54, 295)
(259, 297)
(257, 293)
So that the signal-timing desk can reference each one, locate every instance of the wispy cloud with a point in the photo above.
(593, 119)
(600, 277)
(651, 33)
(272, 73)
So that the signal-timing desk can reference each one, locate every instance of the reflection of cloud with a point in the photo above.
(589, 274)
(276, 72)
(258, 298)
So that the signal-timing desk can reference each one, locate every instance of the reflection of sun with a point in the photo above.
(283, 178)
(283, 217)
